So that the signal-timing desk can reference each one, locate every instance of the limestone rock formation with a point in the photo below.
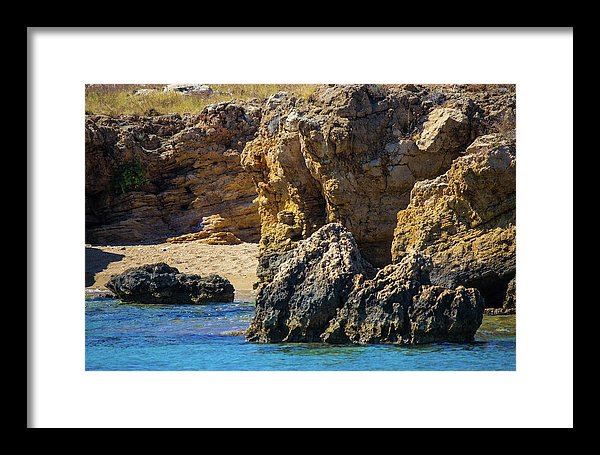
(489, 141)
(325, 291)
(445, 130)
(352, 154)
(162, 284)
(465, 220)
(209, 238)
(510, 299)
(150, 178)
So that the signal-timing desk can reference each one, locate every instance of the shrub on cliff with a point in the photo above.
(130, 176)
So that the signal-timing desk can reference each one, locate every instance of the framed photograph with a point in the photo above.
(300, 231)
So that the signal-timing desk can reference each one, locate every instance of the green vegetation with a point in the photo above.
(118, 99)
(130, 176)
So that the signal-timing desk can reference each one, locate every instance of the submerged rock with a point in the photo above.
(161, 284)
(326, 291)
(98, 294)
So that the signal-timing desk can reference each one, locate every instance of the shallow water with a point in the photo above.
(122, 337)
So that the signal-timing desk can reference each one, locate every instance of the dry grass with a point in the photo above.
(475, 88)
(118, 99)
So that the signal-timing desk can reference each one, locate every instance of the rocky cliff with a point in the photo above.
(465, 220)
(151, 178)
(404, 168)
(353, 153)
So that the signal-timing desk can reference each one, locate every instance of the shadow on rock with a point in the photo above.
(97, 260)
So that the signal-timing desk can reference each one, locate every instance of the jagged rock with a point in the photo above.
(400, 306)
(308, 288)
(189, 171)
(350, 155)
(161, 284)
(446, 130)
(510, 298)
(326, 291)
(488, 142)
(268, 265)
(375, 310)
(440, 313)
(465, 220)
(98, 294)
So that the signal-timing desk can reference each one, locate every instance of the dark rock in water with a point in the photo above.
(327, 292)
(302, 298)
(269, 264)
(400, 306)
(98, 294)
(162, 284)
(445, 314)
(376, 309)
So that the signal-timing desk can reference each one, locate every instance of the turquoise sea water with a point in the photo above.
(125, 337)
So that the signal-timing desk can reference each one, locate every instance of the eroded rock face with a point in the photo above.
(327, 292)
(445, 130)
(400, 306)
(510, 299)
(165, 285)
(207, 237)
(308, 288)
(376, 310)
(465, 221)
(350, 154)
(440, 313)
(150, 178)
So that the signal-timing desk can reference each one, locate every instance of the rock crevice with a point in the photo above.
(350, 154)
